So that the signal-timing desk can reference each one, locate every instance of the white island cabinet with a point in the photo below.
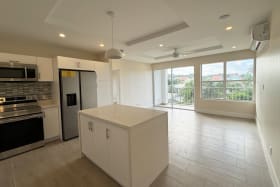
(128, 143)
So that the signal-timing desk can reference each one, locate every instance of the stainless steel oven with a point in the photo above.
(13, 71)
(21, 126)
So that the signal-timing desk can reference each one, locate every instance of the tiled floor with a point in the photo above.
(205, 151)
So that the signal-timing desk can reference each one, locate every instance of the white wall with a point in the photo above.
(268, 94)
(160, 87)
(227, 108)
(135, 83)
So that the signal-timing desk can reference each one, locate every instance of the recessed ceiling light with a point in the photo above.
(101, 45)
(234, 47)
(161, 45)
(228, 28)
(62, 35)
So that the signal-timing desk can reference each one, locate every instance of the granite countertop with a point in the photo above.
(122, 115)
(47, 103)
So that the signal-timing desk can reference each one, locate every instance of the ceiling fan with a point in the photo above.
(177, 52)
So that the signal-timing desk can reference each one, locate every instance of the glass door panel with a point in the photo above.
(174, 88)
(183, 87)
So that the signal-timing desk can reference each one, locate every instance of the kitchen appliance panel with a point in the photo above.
(70, 95)
(88, 89)
(21, 132)
(14, 71)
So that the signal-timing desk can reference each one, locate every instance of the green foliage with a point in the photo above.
(188, 92)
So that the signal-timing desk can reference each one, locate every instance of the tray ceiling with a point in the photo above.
(86, 24)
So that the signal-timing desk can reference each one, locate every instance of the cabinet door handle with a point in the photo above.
(107, 133)
(90, 126)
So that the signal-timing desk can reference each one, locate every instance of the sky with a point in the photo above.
(183, 70)
(233, 67)
(241, 66)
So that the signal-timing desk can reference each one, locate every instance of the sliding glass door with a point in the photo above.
(183, 87)
(174, 88)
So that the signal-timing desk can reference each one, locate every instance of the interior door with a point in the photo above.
(70, 98)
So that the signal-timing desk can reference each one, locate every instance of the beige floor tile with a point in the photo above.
(204, 151)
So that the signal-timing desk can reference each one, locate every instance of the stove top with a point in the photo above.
(18, 106)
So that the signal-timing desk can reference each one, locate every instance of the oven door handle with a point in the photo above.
(14, 119)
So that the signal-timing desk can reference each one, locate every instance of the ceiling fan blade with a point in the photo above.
(211, 48)
(163, 57)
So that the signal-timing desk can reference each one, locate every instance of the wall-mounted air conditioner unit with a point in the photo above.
(260, 35)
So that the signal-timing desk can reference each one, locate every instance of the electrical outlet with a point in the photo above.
(270, 150)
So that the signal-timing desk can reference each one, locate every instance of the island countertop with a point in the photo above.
(122, 115)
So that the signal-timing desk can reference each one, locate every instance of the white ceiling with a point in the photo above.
(86, 24)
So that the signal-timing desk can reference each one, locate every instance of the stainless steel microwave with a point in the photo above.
(14, 71)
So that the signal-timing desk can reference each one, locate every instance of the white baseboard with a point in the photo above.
(271, 168)
(229, 114)
(51, 139)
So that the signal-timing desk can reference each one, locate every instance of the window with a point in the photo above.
(212, 81)
(232, 80)
(240, 80)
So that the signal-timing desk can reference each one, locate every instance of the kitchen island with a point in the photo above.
(129, 143)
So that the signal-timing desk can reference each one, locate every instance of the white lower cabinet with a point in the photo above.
(118, 154)
(107, 146)
(51, 123)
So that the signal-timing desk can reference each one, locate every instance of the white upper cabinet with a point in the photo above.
(45, 65)
(45, 69)
(75, 64)
(7, 57)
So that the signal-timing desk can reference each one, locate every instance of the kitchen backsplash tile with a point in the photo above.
(43, 90)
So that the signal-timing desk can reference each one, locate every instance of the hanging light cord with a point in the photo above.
(111, 14)
(112, 30)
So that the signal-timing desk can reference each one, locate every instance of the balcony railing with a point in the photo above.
(182, 96)
(230, 93)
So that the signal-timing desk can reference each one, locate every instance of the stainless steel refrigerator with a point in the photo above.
(78, 90)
